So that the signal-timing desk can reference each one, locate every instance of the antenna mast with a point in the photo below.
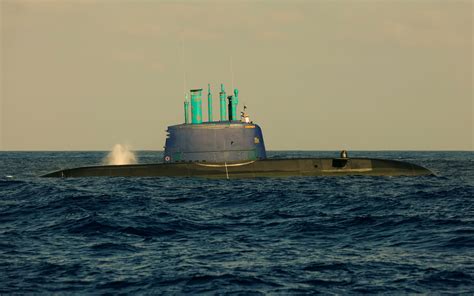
(183, 64)
(232, 72)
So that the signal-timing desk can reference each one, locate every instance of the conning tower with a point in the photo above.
(228, 140)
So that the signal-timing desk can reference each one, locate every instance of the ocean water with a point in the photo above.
(300, 235)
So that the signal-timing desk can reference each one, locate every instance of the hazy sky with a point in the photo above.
(316, 75)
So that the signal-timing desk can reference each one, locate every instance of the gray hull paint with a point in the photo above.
(214, 142)
(251, 169)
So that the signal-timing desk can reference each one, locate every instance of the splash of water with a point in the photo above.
(120, 154)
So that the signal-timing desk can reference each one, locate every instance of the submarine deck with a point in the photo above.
(252, 169)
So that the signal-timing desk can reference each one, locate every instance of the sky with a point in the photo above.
(315, 75)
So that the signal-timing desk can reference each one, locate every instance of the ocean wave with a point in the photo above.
(335, 235)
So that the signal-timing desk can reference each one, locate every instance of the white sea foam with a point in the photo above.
(120, 154)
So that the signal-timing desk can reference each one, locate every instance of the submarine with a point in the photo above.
(233, 147)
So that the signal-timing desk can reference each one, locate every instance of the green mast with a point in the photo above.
(209, 103)
(223, 107)
(235, 102)
(196, 107)
(186, 109)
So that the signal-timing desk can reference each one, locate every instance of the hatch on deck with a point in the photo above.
(339, 162)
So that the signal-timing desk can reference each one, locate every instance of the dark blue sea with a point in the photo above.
(300, 235)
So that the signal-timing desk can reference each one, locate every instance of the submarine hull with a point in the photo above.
(252, 169)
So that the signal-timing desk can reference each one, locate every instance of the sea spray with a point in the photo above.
(120, 154)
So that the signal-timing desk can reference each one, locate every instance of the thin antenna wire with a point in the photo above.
(232, 73)
(183, 64)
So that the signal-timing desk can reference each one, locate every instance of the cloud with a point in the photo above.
(142, 29)
(138, 58)
(426, 29)
(413, 25)
(205, 22)
(287, 16)
(271, 35)
(202, 34)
